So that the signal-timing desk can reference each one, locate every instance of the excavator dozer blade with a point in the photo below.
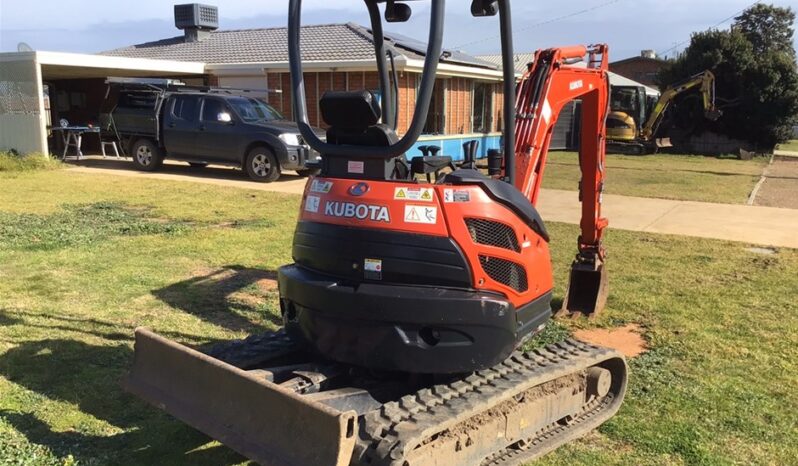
(587, 290)
(249, 414)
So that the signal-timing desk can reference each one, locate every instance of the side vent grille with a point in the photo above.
(492, 233)
(505, 272)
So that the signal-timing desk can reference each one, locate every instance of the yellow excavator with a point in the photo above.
(623, 134)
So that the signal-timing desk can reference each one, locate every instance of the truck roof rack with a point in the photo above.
(174, 85)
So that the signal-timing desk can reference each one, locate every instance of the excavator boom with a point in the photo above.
(551, 82)
(705, 81)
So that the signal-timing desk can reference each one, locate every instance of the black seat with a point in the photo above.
(353, 117)
(503, 193)
(430, 164)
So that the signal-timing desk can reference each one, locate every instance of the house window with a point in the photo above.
(482, 108)
(436, 117)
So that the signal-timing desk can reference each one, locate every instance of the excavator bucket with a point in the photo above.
(713, 114)
(587, 290)
(257, 418)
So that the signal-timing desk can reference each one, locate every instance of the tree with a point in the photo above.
(755, 69)
(768, 28)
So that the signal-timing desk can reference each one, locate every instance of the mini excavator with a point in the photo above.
(409, 298)
(623, 134)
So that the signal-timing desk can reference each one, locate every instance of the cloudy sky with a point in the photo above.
(627, 25)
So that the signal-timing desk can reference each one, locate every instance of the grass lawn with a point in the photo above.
(85, 259)
(682, 177)
(791, 146)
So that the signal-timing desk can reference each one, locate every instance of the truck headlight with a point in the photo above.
(291, 139)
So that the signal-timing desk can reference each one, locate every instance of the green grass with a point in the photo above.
(19, 163)
(195, 262)
(791, 146)
(666, 176)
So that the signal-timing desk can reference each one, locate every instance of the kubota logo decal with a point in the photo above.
(375, 213)
(359, 189)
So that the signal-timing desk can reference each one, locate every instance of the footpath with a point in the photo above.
(760, 225)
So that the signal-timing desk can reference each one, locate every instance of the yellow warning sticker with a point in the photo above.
(414, 194)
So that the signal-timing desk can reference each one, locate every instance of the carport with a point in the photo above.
(38, 89)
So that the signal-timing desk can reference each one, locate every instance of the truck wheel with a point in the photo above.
(146, 155)
(262, 165)
(308, 172)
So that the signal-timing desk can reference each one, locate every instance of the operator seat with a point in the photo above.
(353, 118)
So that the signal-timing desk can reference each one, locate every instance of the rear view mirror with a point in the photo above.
(397, 12)
(224, 117)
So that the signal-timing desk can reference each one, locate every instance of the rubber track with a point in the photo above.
(386, 432)
(250, 351)
(549, 438)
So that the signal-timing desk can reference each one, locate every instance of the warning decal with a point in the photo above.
(414, 194)
(312, 204)
(354, 166)
(322, 187)
(372, 269)
(456, 195)
(421, 214)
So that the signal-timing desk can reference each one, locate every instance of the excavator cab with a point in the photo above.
(409, 298)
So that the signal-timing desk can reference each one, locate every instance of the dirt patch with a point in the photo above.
(247, 299)
(628, 339)
(267, 284)
(780, 188)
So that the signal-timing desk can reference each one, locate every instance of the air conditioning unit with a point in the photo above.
(196, 16)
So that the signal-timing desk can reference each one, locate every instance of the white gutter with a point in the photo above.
(402, 64)
(460, 71)
(257, 68)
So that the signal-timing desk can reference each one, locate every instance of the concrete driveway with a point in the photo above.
(218, 175)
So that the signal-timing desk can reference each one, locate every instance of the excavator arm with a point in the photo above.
(552, 81)
(705, 80)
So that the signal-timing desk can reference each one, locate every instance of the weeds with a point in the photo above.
(80, 224)
(10, 162)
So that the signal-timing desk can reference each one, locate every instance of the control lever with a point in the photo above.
(470, 154)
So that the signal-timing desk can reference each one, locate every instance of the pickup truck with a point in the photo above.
(202, 126)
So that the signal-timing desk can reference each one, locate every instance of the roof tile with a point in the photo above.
(319, 43)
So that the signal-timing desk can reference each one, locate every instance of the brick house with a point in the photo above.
(466, 103)
(642, 69)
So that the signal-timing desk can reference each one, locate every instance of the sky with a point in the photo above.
(628, 26)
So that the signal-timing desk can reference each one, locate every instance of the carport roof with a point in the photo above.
(61, 65)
